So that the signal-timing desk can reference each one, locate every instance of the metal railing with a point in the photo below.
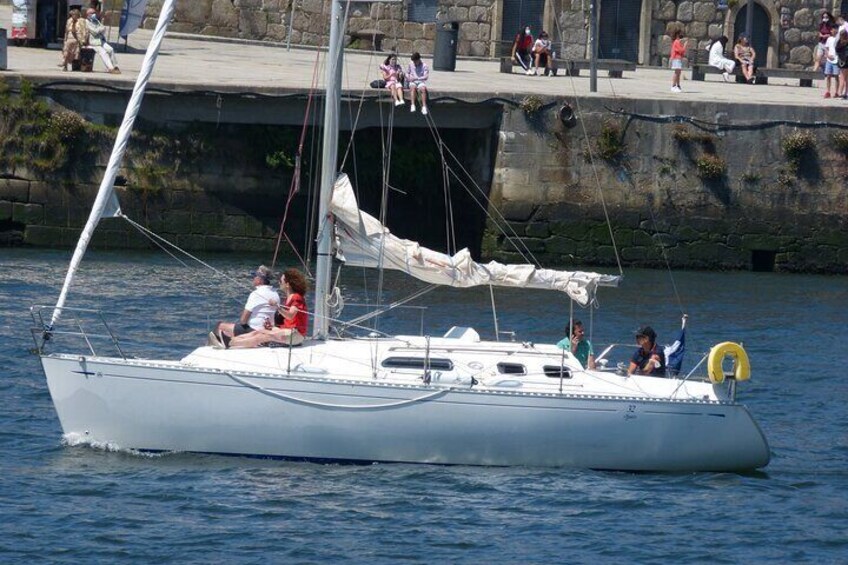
(73, 322)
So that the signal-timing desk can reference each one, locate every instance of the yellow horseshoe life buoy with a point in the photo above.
(741, 365)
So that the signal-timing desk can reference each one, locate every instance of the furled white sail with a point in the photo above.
(362, 241)
(106, 203)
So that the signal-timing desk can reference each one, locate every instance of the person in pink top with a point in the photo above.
(678, 51)
(417, 74)
(393, 75)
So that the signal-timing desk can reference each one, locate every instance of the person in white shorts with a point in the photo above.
(258, 311)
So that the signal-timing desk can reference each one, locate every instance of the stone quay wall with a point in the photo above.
(679, 184)
(270, 20)
(792, 24)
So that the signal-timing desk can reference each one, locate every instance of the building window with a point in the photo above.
(422, 11)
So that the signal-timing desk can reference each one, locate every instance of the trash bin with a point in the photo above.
(3, 61)
(444, 52)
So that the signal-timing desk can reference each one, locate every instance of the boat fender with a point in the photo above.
(741, 365)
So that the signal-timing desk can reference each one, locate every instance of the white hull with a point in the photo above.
(216, 401)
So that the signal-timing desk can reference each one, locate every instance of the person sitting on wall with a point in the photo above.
(97, 41)
(258, 309)
(393, 75)
(416, 77)
(718, 60)
(648, 359)
(745, 56)
(292, 316)
(543, 56)
(521, 49)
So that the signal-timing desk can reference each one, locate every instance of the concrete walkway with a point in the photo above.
(198, 62)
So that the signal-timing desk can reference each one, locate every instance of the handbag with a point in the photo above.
(378, 83)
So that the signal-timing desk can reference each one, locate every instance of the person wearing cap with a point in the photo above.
(579, 346)
(293, 317)
(648, 359)
(258, 311)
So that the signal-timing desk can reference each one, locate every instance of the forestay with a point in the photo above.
(362, 241)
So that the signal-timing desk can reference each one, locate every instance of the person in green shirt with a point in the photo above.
(579, 346)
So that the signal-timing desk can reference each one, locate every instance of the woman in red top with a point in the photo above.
(521, 49)
(678, 51)
(293, 317)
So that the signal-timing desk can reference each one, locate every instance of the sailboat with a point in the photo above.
(455, 399)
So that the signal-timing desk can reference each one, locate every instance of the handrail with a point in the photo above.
(47, 332)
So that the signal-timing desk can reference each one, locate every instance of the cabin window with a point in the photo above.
(554, 371)
(417, 363)
(511, 369)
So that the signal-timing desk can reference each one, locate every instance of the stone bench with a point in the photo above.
(367, 39)
(700, 68)
(507, 63)
(615, 67)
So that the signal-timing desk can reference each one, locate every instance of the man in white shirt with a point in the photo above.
(258, 311)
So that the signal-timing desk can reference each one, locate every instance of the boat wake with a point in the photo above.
(74, 439)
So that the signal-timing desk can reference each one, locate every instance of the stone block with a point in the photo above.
(457, 14)
(232, 225)
(217, 243)
(191, 242)
(429, 31)
(108, 239)
(179, 199)
(631, 253)
(205, 223)
(412, 31)
(667, 10)
(5, 210)
(478, 14)
(253, 227)
(524, 243)
(43, 236)
(517, 210)
(40, 193)
(696, 29)
(223, 14)
(177, 222)
(277, 32)
(804, 18)
(793, 35)
(704, 11)
(537, 229)
(685, 11)
(469, 31)
(561, 245)
(250, 4)
(479, 49)
(14, 190)
(576, 230)
(802, 55)
(253, 24)
(28, 214)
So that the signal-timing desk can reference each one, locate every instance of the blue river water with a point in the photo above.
(62, 503)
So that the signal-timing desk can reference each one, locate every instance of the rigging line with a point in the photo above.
(310, 226)
(450, 221)
(294, 188)
(397, 303)
(160, 246)
(665, 257)
(594, 168)
(299, 258)
(498, 218)
(501, 222)
(181, 250)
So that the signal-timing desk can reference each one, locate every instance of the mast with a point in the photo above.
(332, 103)
(105, 204)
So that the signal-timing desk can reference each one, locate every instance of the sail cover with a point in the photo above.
(362, 241)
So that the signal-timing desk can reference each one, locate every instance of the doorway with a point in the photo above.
(618, 29)
(760, 32)
(518, 13)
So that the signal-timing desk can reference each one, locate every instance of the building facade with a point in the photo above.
(784, 31)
